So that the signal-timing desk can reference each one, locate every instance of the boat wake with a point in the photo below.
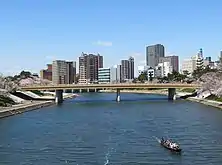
(157, 139)
(108, 155)
(107, 159)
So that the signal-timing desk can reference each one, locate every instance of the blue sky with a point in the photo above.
(35, 32)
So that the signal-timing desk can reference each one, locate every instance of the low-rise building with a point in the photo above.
(104, 75)
(46, 73)
(142, 69)
(163, 69)
(150, 73)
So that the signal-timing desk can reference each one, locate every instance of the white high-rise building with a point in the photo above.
(189, 65)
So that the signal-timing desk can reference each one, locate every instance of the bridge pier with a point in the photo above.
(171, 93)
(58, 96)
(88, 90)
(118, 95)
(80, 90)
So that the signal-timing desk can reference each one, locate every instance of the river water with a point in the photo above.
(93, 129)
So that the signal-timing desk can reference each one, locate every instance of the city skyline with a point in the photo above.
(36, 33)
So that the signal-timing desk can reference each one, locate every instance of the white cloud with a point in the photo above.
(103, 43)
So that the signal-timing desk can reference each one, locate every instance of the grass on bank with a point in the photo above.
(188, 90)
(214, 98)
(6, 101)
(38, 93)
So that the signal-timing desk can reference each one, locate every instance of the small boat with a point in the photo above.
(172, 146)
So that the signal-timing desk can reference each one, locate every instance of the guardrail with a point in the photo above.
(119, 85)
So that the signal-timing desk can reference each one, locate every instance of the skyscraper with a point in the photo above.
(124, 69)
(71, 69)
(131, 68)
(200, 60)
(62, 72)
(153, 52)
(88, 67)
(127, 69)
(118, 74)
(59, 72)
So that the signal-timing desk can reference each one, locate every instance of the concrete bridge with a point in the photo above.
(59, 88)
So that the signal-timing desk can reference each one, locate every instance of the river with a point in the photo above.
(93, 129)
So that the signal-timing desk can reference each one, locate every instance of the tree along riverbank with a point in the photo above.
(206, 101)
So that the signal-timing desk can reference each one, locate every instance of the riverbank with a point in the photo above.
(24, 107)
(212, 103)
(207, 102)
(29, 106)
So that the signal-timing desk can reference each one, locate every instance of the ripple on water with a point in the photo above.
(126, 133)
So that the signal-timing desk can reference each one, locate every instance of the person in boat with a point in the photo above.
(175, 146)
(162, 139)
(168, 143)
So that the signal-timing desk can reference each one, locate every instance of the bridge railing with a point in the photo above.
(114, 85)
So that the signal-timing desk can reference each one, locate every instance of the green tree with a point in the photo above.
(150, 76)
(143, 77)
(186, 73)
(200, 71)
(25, 74)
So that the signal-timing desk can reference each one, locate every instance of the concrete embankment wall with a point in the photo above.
(15, 98)
(28, 97)
(18, 110)
(22, 95)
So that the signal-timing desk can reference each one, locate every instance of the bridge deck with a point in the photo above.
(110, 86)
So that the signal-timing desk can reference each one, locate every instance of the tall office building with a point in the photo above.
(71, 69)
(62, 72)
(153, 52)
(131, 68)
(127, 69)
(118, 74)
(89, 65)
(173, 60)
(113, 74)
(199, 59)
(124, 69)
(59, 72)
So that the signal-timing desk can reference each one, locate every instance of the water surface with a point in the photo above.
(95, 130)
